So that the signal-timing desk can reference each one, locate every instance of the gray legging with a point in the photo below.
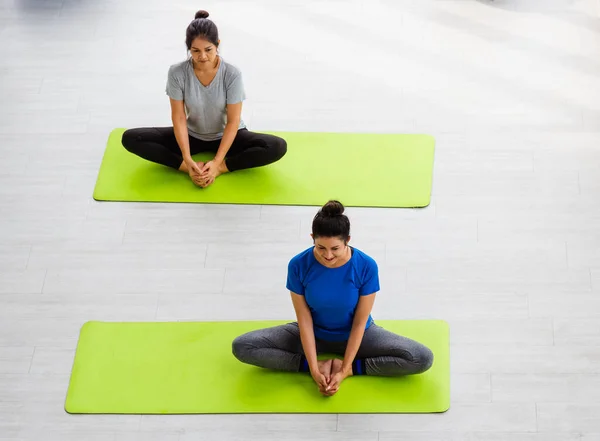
(382, 352)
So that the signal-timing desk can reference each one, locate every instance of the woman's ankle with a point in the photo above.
(223, 168)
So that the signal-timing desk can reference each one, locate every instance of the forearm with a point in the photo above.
(356, 335)
(229, 134)
(182, 137)
(307, 337)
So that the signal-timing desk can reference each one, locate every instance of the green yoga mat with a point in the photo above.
(188, 367)
(363, 170)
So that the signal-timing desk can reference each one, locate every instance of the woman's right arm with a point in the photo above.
(181, 132)
(307, 333)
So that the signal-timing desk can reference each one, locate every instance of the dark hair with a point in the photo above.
(330, 221)
(202, 27)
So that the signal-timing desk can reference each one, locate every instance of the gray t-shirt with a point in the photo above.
(206, 106)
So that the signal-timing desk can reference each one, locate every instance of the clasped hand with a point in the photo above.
(205, 174)
(330, 375)
(210, 171)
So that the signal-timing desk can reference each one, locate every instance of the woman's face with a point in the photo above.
(330, 250)
(204, 53)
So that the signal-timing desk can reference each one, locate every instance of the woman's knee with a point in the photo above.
(242, 346)
(279, 148)
(131, 139)
(423, 360)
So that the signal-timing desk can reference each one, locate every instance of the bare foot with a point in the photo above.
(336, 366)
(222, 169)
(325, 368)
(337, 376)
(219, 171)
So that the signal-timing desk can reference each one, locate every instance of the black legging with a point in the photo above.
(249, 149)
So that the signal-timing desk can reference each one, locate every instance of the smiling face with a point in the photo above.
(331, 251)
(204, 53)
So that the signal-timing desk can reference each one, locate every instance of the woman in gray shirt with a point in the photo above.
(206, 95)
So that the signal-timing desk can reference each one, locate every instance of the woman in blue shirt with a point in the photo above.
(333, 288)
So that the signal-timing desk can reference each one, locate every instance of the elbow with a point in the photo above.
(305, 320)
(233, 122)
(306, 329)
(179, 125)
(178, 119)
(360, 322)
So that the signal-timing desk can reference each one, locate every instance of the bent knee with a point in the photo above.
(241, 347)
(280, 148)
(130, 139)
(424, 360)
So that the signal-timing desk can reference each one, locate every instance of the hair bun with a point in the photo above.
(333, 208)
(201, 14)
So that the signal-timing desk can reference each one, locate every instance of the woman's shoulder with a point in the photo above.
(303, 258)
(230, 70)
(179, 69)
(363, 259)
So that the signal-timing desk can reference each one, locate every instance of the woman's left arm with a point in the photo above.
(361, 315)
(234, 116)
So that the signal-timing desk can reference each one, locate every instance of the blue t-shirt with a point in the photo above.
(332, 293)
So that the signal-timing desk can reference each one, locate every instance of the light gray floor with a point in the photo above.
(508, 251)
